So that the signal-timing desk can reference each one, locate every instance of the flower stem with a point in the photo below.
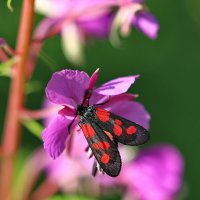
(12, 128)
(45, 190)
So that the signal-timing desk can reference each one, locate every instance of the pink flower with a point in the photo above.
(146, 23)
(68, 88)
(155, 173)
(68, 170)
(76, 20)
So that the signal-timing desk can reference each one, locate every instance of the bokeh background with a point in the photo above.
(169, 83)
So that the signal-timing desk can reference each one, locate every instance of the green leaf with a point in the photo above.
(34, 127)
(5, 68)
(9, 5)
(33, 86)
(20, 175)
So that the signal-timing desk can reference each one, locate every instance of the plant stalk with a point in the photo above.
(12, 127)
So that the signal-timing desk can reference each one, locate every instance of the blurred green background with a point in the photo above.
(169, 69)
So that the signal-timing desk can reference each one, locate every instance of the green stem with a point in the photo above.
(12, 128)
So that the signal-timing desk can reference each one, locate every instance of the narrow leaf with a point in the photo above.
(33, 86)
(9, 5)
(5, 68)
(34, 127)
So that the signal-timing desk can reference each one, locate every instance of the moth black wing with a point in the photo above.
(104, 149)
(123, 130)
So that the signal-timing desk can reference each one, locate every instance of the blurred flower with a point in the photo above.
(70, 88)
(2, 42)
(68, 170)
(155, 173)
(146, 23)
(133, 13)
(76, 20)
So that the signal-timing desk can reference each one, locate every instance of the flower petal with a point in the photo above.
(44, 28)
(160, 169)
(131, 110)
(67, 87)
(146, 23)
(67, 171)
(93, 80)
(52, 9)
(137, 1)
(2, 42)
(72, 43)
(97, 98)
(116, 86)
(98, 26)
(119, 98)
(55, 135)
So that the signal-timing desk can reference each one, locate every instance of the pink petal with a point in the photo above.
(55, 135)
(116, 86)
(97, 98)
(147, 23)
(131, 110)
(68, 170)
(97, 26)
(160, 169)
(67, 87)
(93, 80)
(2, 42)
(43, 31)
(119, 98)
(44, 28)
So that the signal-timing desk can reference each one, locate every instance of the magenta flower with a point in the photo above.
(155, 173)
(146, 23)
(68, 170)
(2, 42)
(133, 13)
(76, 20)
(67, 88)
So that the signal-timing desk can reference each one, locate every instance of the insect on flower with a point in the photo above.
(103, 130)
(104, 124)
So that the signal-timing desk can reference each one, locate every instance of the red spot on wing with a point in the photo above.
(103, 145)
(103, 115)
(105, 158)
(95, 146)
(102, 110)
(88, 131)
(117, 121)
(117, 130)
(131, 130)
(103, 118)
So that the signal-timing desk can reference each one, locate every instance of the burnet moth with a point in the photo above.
(103, 131)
